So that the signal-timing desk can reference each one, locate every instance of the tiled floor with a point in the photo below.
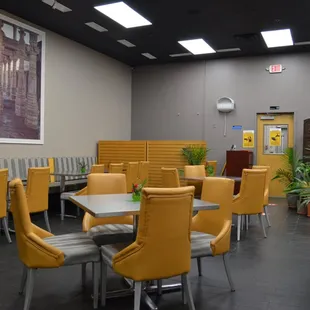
(269, 274)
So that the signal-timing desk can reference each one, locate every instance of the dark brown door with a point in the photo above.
(306, 148)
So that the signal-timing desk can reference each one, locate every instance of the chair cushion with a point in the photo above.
(78, 248)
(108, 252)
(111, 234)
(201, 244)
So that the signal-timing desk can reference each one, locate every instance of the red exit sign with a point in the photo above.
(275, 68)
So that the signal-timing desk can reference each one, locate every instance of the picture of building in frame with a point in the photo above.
(21, 82)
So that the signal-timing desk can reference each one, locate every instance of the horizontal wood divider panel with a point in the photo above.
(167, 154)
(121, 152)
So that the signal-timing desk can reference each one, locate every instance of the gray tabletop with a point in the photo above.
(122, 204)
(236, 179)
(70, 173)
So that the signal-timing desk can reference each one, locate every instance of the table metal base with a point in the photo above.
(68, 216)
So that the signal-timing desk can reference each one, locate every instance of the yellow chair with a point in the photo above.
(116, 168)
(97, 169)
(211, 230)
(144, 171)
(266, 194)
(111, 229)
(3, 202)
(170, 177)
(195, 171)
(132, 175)
(38, 248)
(212, 163)
(37, 191)
(250, 200)
(162, 248)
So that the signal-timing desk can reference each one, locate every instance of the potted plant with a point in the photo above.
(195, 154)
(287, 176)
(82, 166)
(137, 190)
(209, 171)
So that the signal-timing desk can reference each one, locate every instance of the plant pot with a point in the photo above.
(308, 209)
(136, 196)
(301, 209)
(83, 170)
(292, 200)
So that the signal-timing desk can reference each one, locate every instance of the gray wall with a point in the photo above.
(87, 98)
(161, 92)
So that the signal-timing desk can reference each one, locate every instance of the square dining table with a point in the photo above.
(112, 205)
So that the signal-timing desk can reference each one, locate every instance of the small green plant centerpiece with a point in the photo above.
(210, 171)
(137, 190)
(82, 166)
(195, 154)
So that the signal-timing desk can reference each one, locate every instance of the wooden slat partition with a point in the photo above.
(166, 154)
(121, 152)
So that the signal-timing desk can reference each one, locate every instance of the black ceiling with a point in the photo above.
(222, 23)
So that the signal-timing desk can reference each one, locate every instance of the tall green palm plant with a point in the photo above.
(195, 154)
(287, 174)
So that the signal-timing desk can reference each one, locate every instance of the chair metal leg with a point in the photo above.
(227, 269)
(104, 277)
(238, 227)
(199, 266)
(159, 287)
(47, 223)
(6, 229)
(29, 288)
(23, 281)
(183, 290)
(96, 275)
(188, 292)
(262, 224)
(242, 222)
(138, 289)
(84, 274)
(247, 222)
(77, 211)
(267, 215)
(62, 209)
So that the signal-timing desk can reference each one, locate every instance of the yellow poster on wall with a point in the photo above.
(275, 137)
(248, 139)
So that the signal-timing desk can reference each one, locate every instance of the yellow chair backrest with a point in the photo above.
(37, 189)
(220, 191)
(170, 177)
(194, 171)
(3, 191)
(32, 250)
(162, 248)
(132, 175)
(144, 171)
(250, 200)
(267, 182)
(97, 169)
(51, 164)
(212, 163)
(101, 184)
(116, 168)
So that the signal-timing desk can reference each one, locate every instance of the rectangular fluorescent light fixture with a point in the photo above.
(148, 55)
(126, 43)
(226, 50)
(96, 26)
(197, 46)
(278, 38)
(302, 43)
(180, 55)
(123, 14)
(57, 6)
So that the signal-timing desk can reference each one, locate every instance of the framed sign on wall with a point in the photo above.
(22, 64)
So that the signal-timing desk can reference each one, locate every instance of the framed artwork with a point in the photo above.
(22, 61)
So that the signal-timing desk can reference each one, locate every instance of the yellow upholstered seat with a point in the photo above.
(170, 177)
(266, 193)
(37, 191)
(38, 248)
(3, 201)
(195, 171)
(97, 169)
(162, 248)
(250, 200)
(97, 228)
(212, 228)
(116, 168)
(132, 175)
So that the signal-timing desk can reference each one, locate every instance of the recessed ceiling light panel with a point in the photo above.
(302, 43)
(226, 50)
(149, 56)
(197, 46)
(57, 6)
(96, 26)
(123, 14)
(278, 38)
(180, 55)
(126, 43)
